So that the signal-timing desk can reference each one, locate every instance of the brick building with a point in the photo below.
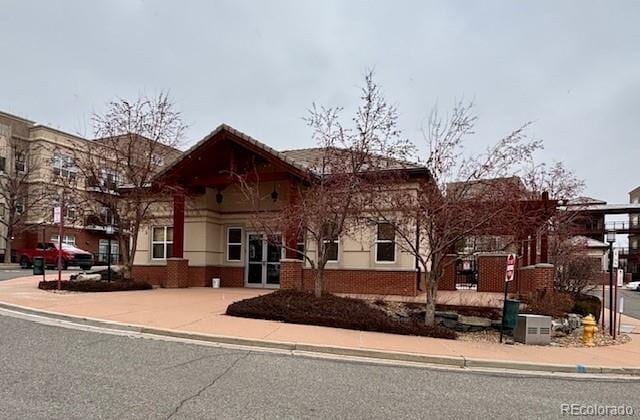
(38, 163)
(213, 236)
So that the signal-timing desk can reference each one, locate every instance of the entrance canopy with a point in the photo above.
(217, 160)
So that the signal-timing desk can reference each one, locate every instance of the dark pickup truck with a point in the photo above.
(71, 256)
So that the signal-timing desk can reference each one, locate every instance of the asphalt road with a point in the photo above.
(12, 273)
(631, 301)
(50, 372)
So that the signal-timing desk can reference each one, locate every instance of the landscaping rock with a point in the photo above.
(85, 276)
(447, 315)
(574, 321)
(474, 321)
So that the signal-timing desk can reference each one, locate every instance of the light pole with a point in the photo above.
(109, 234)
(611, 238)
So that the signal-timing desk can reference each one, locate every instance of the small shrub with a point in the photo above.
(587, 304)
(551, 303)
(298, 307)
(94, 285)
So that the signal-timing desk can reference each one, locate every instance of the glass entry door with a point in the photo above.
(263, 260)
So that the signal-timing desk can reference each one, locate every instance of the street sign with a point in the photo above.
(511, 268)
(620, 277)
(57, 211)
(616, 258)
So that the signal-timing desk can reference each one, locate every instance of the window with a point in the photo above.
(21, 162)
(107, 217)
(385, 243)
(161, 242)
(330, 242)
(66, 239)
(234, 244)
(103, 251)
(300, 246)
(19, 205)
(64, 167)
(109, 179)
(3, 163)
(69, 211)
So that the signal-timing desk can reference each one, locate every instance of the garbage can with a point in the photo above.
(38, 266)
(215, 282)
(511, 309)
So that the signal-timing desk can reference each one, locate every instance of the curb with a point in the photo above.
(450, 361)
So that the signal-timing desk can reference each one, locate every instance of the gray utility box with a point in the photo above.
(533, 329)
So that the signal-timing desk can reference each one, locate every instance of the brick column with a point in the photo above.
(291, 274)
(544, 276)
(177, 274)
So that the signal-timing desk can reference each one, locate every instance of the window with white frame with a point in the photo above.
(300, 246)
(66, 239)
(385, 243)
(331, 242)
(64, 166)
(161, 242)
(234, 244)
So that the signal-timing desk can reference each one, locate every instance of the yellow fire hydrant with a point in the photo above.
(588, 330)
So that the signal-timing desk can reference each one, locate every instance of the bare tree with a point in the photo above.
(135, 140)
(460, 199)
(25, 198)
(328, 204)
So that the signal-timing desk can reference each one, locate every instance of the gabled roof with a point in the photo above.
(237, 133)
(301, 161)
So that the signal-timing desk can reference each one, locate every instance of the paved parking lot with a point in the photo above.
(15, 272)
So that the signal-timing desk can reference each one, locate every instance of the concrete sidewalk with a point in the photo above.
(201, 311)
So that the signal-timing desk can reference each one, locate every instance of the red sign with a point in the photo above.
(511, 268)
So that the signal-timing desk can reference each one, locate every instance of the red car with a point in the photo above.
(49, 250)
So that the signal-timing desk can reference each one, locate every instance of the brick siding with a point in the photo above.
(196, 276)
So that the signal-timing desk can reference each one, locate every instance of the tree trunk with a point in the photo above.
(432, 290)
(318, 285)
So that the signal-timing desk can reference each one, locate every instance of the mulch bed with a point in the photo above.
(297, 307)
(94, 285)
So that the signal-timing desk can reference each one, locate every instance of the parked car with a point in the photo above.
(634, 285)
(71, 256)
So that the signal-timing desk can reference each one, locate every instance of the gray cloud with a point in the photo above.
(572, 67)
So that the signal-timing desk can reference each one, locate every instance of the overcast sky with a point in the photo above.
(571, 67)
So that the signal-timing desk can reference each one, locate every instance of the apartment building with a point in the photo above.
(38, 166)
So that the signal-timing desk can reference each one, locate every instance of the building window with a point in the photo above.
(234, 244)
(19, 205)
(64, 167)
(3, 163)
(66, 239)
(103, 251)
(330, 241)
(161, 242)
(300, 246)
(385, 243)
(21, 162)
(109, 180)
